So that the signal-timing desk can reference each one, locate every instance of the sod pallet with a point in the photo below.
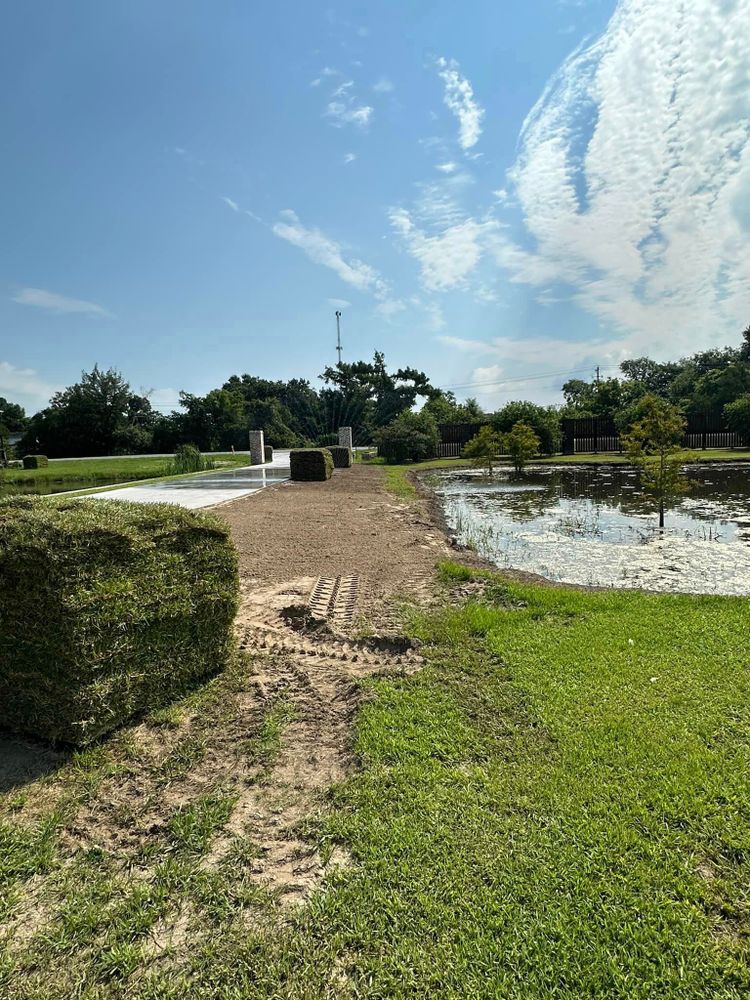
(342, 456)
(311, 464)
(268, 453)
(35, 461)
(107, 609)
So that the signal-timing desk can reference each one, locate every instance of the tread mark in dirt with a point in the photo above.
(334, 598)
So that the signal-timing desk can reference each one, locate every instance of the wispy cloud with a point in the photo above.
(232, 204)
(447, 168)
(633, 176)
(459, 98)
(383, 86)
(339, 303)
(331, 254)
(350, 157)
(39, 298)
(345, 108)
(447, 257)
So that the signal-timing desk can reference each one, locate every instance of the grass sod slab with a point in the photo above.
(310, 464)
(108, 608)
(35, 461)
(342, 456)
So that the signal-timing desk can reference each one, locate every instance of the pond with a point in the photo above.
(45, 487)
(593, 525)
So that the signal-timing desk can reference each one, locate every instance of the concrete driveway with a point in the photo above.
(206, 489)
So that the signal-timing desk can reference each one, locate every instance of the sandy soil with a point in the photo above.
(349, 525)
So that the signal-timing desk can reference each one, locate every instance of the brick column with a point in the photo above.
(257, 448)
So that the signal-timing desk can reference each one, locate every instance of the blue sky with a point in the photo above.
(493, 192)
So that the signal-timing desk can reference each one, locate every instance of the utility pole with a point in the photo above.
(598, 380)
(338, 334)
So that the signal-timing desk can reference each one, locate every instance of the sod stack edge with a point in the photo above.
(311, 464)
(108, 609)
(342, 456)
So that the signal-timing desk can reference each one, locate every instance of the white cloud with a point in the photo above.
(24, 386)
(634, 176)
(447, 168)
(348, 113)
(232, 204)
(61, 304)
(449, 256)
(383, 86)
(459, 98)
(390, 307)
(339, 303)
(350, 157)
(323, 250)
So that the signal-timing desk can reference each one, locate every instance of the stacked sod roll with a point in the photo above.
(107, 609)
(311, 464)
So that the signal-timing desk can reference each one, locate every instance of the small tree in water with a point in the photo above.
(653, 444)
(483, 448)
(522, 444)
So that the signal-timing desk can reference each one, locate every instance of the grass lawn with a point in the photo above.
(73, 473)
(557, 805)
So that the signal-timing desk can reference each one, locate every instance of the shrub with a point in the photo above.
(187, 458)
(311, 464)
(268, 453)
(342, 457)
(484, 447)
(522, 444)
(738, 416)
(35, 461)
(543, 420)
(410, 437)
(107, 609)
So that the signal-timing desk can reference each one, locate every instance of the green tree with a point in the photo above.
(100, 415)
(484, 447)
(738, 416)
(12, 416)
(544, 421)
(522, 444)
(411, 437)
(653, 444)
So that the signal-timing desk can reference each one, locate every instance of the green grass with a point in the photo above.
(696, 455)
(556, 806)
(100, 470)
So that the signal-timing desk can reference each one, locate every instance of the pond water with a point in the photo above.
(44, 487)
(593, 525)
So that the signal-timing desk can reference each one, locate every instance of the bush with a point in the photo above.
(342, 457)
(738, 416)
(543, 420)
(35, 461)
(107, 608)
(268, 453)
(311, 464)
(522, 444)
(187, 458)
(410, 437)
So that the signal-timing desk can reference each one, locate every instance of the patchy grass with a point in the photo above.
(555, 806)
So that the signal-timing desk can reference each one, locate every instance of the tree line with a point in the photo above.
(101, 414)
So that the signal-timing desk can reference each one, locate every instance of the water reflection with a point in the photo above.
(595, 525)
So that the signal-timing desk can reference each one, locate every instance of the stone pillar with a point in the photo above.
(257, 448)
(345, 437)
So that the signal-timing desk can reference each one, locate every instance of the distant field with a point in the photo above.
(74, 473)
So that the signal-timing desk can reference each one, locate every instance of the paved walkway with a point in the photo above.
(207, 489)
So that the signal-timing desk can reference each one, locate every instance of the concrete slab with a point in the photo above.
(208, 489)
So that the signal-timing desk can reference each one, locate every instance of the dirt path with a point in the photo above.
(308, 651)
